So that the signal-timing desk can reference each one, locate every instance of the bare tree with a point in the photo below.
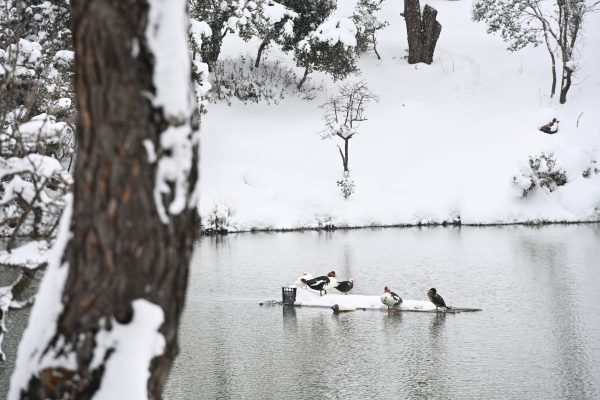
(105, 321)
(556, 23)
(344, 113)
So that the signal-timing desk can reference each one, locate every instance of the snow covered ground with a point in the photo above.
(444, 141)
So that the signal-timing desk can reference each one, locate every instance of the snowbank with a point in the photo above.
(445, 140)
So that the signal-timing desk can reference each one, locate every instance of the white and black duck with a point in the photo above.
(390, 299)
(321, 283)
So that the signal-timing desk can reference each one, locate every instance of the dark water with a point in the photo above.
(538, 336)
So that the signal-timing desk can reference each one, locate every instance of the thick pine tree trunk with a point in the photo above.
(120, 251)
(423, 33)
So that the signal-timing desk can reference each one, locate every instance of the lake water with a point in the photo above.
(538, 336)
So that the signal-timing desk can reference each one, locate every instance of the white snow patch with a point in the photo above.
(135, 344)
(29, 255)
(166, 34)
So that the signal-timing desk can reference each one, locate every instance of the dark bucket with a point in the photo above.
(288, 295)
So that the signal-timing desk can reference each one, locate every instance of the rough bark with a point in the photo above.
(566, 84)
(120, 250)
(422, 32)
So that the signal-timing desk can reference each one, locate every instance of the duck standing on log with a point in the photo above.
(436, 299)
(321, 283)
(345, 286)
(390, 299)
(299, 283)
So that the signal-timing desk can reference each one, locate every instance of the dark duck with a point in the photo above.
(321, 283)
(390, 299)
(436, 299)
(345, 286)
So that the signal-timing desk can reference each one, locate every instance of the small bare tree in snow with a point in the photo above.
(556, 23)
(343, 115)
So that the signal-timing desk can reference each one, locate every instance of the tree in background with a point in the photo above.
(556, 23)
(367, 24)
(222, 17)
(329, 48)
(422, 31)
(105, 320)
(343, 115)
(319, 43)
(271, 22)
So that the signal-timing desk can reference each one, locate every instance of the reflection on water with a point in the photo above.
(536, 338)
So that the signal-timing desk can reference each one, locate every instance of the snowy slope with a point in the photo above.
(444, 141)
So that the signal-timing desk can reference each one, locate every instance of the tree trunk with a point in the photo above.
(412, 16)
(346, 144)
(210, 50)
(306, 70)
(375, 47)
(123, 262)
(262, 46)
(565, 84)
(423, 33)
(553, 59)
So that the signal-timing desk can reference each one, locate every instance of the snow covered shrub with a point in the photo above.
(32, 190)
(269, 21)
(367, 25)
(219, 220)
(543, 172)
(324, 222)
(592, 169)
(270, 82)
(346, 185)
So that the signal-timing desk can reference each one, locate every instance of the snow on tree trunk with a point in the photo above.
(105, 322)
(422, 32)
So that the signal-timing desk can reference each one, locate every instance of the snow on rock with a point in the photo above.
(311, 298)
(30, 255)
(132, 347)
(31, 357)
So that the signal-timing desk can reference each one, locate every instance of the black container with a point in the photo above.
(288, 295)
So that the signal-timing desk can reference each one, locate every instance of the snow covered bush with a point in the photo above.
(32, 190)
(270, 82)
(269, 21)
(543, 172)
(346, 185)
(219, 220)
(329, 48)
(367, 25)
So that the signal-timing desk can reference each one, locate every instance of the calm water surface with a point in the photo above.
(538, 336)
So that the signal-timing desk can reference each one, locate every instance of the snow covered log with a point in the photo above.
(104, 325)
(423, 32)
